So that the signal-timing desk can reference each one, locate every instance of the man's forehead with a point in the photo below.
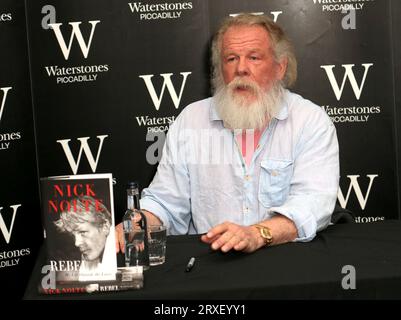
(84, 225)
(244, 36)
(84, 220)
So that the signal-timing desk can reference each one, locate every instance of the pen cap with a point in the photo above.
(190, 264)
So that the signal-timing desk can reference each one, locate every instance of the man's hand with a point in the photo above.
(119, 238)
(151, 220)
(230, 236)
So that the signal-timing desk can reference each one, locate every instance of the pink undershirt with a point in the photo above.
(247, 141)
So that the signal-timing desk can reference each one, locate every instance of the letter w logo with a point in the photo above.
(3, 99)
(76, 32)
(275, 14)
(86, 149)
(7, 233)
(166, 83)
(349, 73)
(354, 184)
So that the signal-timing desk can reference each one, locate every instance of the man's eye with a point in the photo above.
(254, 58)
(230, 59)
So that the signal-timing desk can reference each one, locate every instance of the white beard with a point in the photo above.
(238, 113)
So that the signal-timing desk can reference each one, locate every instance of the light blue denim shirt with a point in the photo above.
(202, 179)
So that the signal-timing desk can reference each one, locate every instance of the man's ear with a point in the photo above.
(106, 228)
(281, 68)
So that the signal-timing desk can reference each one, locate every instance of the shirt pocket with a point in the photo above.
(274, 183)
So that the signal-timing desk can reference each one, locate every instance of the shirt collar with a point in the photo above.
(283, 109)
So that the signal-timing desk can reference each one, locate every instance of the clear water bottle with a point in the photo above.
(135, 230)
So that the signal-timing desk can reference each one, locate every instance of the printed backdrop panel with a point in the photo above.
(109, 78)
(395, 9)
(20, 225)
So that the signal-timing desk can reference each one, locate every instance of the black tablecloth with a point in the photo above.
(291, 271)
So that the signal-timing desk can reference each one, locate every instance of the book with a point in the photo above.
(78, 218)
(127, 278)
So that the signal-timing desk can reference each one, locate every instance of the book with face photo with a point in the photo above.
(78, 218)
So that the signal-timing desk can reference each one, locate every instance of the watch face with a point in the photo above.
(265, 233)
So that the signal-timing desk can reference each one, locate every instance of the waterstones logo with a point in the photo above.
(5, 17)
(6, 138)
(75, 33)
(340, 5)
(155, 124)
(65, 75)
(3, 99)
(157, 11)
(354, 185)
(84, 147)
(351, 114)
(167, 83)
(348, 74)
(359, 219)
(7, 230)
(275, 14)
(341, 114)
(73, 74)
(13, 258)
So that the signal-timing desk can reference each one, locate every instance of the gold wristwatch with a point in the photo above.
(265, 233)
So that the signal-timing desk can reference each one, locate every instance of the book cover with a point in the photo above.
(78, 218)
(127, 278)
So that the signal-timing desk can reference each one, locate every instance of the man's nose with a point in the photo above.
(78, 240)
(242, 67)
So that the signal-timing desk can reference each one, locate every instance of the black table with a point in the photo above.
(292, 271)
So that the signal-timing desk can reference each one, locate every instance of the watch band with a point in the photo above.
(264, 233)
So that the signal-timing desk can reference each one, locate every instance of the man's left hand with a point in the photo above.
(230, 236)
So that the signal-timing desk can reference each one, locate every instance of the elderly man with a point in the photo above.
(279, 183)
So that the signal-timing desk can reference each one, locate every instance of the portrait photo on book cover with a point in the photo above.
(79, 226)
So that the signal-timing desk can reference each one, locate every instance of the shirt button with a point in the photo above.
(247, 177)
(275, 173)
(246, 210)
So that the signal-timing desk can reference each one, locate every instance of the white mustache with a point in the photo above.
(239, 83)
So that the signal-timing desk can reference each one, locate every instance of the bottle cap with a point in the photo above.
(133, 185)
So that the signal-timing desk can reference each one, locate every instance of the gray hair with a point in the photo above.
(88, 210)
(281, 45)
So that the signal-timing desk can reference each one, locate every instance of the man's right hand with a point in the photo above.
(120, 245)
(120, 238)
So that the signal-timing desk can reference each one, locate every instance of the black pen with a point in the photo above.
(190, 264)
